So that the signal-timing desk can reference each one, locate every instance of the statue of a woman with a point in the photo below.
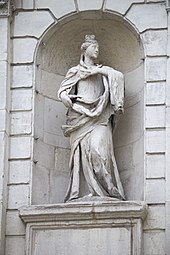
(94, 96)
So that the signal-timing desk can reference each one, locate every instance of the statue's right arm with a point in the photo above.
(65, 99)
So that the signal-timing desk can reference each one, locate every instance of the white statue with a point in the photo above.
(94, 96)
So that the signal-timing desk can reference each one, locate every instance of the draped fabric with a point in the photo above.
(90, 125)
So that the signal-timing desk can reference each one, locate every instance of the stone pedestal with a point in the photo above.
(99, 228)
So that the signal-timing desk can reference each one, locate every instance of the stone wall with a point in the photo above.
(31, 21)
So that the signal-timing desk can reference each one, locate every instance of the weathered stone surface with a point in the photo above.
(22, 196)
(147, 19)
(168, 83)
(55, 112)
(32, 23)
(156, 68)
(3, 41)
(155, 218)
(83, 230)
(20, 147)
(28, 4)
(39, 116)
(21, 123)
(21, 54)
(3, 82)
(14, 225)
(57, 7)
(19, 171)
(120, 6)
(155, 93)
(155, 191)
(22, 76)
(155, 116)
(155, 42)
(154, 242)
(84, 5)
(155, 141)
(21, 100)
(56, 140)
(3, 114)
(15, 245)
(41, 185)
(62, 160)
(41, 149)
(155, 166)
(50, 83)
(18, 3)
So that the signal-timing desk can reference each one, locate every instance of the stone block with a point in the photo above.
(19, 171)
(23, 50)
(56, 140)
(62, 157)
(155, 191)
(155, 42)
(168, 117)
(57, 7)
(168, 84)
(14, 225)
(155, 116)
(156, 68)
(39, 116)
(20, 147)
(155, 166)
(154, 242)
(120, 6)
(3, 120)
(85, 5)
(17, 4)
(155, 218)
(133, 120)
(19, 195)
(15, 245)
(21, 100)
(41, 185)
(155, 93)
(21, 123)
(58, 186)
(3, 82)
(155, 141)
(28, 4)
(44, 154)
(22, 76)
(31, 23)
(54, 116)
(2, 152)
(3, 41)
(147, 19)
(50, 84)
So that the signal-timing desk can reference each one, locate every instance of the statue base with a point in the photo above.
(110, 227)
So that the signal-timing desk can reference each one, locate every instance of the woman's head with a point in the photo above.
(90, 47)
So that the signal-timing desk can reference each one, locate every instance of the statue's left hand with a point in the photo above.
(99, 70)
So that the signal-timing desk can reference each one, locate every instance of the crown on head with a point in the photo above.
(90, 38)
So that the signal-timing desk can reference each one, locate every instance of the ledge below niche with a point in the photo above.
(82, 228)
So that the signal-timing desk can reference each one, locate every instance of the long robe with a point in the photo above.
(90, 124)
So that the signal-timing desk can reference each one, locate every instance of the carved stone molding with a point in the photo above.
(168, 5)
(85, 228)
(6, 7)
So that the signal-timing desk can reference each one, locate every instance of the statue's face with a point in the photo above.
(92, 51)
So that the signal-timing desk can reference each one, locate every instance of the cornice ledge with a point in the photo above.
(84, 211)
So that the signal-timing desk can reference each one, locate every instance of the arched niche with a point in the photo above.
(59, 49)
